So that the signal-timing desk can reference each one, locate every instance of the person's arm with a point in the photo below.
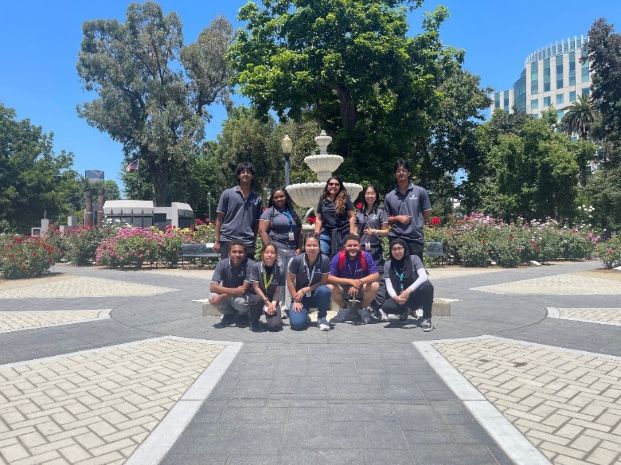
(370, 278)
(391, 290)
(422, 277)
(332, 279)
(295, 295)
(217, 288)
(264, 227)
(219, 221)
(352, 222)
(379, 232)
(317, 223)
(426, 215)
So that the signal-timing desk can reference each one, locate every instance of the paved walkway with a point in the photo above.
(156, 383)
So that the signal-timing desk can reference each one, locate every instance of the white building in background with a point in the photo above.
(552, 76)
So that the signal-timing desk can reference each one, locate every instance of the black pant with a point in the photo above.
(422, 297)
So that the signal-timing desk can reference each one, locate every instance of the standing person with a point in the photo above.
(281, 226)
(353, 276)
(407, 285)
(407, 207)
(335, 216)
(238, 213)
(372, 225)
(229, 286)
(307, 278)
(267, 280)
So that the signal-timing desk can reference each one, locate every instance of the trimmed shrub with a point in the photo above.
(609, 252)
(25, 257)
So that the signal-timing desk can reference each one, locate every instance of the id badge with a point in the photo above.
(309, 294)
(367, 246)
(291, 236)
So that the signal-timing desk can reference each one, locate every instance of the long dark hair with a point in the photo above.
(288, 204)
(375, 205)
(341, 196)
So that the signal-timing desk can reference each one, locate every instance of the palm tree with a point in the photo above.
(579, 120)
(579, 117)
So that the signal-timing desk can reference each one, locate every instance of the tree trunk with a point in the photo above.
(349, 113)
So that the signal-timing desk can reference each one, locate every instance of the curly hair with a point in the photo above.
(288, 204)
(341, 196)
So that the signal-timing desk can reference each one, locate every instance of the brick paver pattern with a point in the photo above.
(563, 284)
(95, 407)
(567, 404)
(457, 272)
(181, 273)
(19, 320)
(80, 286)
(608, 316)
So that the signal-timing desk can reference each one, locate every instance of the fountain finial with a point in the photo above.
(323, 140)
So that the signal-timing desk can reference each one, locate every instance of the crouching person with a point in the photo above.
(407, 285)
(353, 278)
(230, 287)
(266, 279)
(306, 280)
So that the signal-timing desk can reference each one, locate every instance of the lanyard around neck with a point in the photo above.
(266, 282)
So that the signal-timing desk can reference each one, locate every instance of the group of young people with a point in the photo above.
(342, 260)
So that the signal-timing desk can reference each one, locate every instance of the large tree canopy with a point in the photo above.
(152, 93)
(33, 180)
(351, 66)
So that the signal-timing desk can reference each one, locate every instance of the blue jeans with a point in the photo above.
(320, 298)
(325, 244)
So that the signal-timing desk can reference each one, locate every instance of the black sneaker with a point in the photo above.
(226, 320)
(242, 320)
(426, 325)
(404, 315)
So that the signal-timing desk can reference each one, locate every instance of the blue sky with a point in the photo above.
(40, 40)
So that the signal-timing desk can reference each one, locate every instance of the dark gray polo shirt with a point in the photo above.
(240, 216)
(228, 276)
(413, 203)
(298, 266)
(281, 223)
(257, 275)
(373, 220)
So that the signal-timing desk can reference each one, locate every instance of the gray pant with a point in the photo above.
(232, 305)
(284, 257)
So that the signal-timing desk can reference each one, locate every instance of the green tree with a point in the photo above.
(530, 171)
(579, 118)
(351, 67)
(33, 180)
(152, 93)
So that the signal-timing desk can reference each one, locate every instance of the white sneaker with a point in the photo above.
(418, 313)
(323, 324)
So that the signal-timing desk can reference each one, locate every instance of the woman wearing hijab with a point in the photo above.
(407, 285)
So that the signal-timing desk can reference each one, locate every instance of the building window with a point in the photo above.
(572, 68)
(546, 75)
(497, 100)
(547, 102)
(559, 71)
(572, 96)
(534, 82)
(506, 100)
(534, 104)
(586, 92)
(560, 99)
(585, 72)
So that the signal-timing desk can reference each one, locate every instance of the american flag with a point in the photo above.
(133, 166)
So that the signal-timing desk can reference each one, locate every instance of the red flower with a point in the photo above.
(311, 220)
(359, 205)
(435, 221)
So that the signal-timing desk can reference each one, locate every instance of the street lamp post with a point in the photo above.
(209, 205)
(286, 145)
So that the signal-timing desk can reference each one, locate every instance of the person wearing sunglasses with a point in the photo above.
(335, 217)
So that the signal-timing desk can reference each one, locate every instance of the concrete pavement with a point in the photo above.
(357, 394)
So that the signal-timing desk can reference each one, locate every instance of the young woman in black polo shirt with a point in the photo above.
(335, 216)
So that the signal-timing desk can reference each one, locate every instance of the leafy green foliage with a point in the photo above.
(33, 180)
(609, 252)
(145, 100)
(25, 257)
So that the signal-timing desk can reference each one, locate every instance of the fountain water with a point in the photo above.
(307, 194)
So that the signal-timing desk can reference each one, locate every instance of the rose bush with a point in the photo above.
(25, 257)
(609, 252)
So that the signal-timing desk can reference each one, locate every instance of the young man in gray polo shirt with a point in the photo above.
(407, 207)
(239, 210)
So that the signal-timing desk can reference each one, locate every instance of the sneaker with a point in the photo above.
(426, 325)
(323, 324)
(341, 316)
(379, 315)
(404, 316)
(365, 315)
(226, 320)
(418, 313)
(284, 312)
(242, 320)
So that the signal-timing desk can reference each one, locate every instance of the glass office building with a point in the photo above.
(552, 76)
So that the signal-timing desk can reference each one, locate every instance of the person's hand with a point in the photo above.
(298, 295)
(370, 231)
(297, 307)
(239, 291)
(402, 298)
(216, 299)
(357, 283)
(216, 246)
(405, 219)
(352, 291)
(270, 308)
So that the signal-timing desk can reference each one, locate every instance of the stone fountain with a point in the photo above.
(307, 194)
